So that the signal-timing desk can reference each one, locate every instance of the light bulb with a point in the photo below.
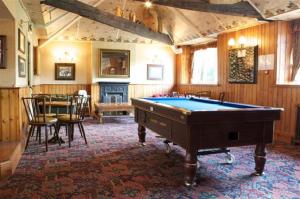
(148, 4)
(231, 42)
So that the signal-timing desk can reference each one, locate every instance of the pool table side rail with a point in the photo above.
(209, 116)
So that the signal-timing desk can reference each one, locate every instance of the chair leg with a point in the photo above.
(46, 137)
(69, 135)
(37, 134)
(66, 129)
(72, 132)
(56, 133)
(33, 128)
(50, 130)
(40, 134)
(80, 130)
(29, 135)
(83, 132)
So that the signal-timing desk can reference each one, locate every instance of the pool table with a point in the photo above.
(196, 124)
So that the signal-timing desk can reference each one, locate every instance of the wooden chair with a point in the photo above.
(86, 105)
(204, 94)
(48, 99)
(221, 96)
(75, 116)
(36, 114)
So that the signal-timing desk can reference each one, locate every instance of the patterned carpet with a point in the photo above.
(113, 165)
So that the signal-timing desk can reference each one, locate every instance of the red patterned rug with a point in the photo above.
(113, 165)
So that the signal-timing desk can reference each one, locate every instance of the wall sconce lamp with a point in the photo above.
(241, 41)
(64, 55)
(231, 42)
(148, 4)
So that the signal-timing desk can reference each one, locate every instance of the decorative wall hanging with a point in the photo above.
(243, 65)
(155, 72)
(3, 54)
(21, 66)
(21, 41)
(114, 63)
(64, 71)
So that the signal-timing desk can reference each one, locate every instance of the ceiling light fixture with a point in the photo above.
(148, 4)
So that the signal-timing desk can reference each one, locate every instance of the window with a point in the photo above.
(205, 66)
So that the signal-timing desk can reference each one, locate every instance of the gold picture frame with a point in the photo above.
(114, 63)
(21, 41)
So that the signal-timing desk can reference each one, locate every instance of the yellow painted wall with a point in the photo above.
(7, 76)
(88, 62)
(140, 56)
(10, 28)
(49, 55)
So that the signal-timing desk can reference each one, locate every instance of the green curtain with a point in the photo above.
(296, 49)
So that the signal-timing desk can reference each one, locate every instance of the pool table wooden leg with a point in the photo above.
(142, 134)
(260, 159)
(190, 167)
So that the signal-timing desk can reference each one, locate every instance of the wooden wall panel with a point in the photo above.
(135, 90)
(12, 114)
(272, 38)
(60, 88)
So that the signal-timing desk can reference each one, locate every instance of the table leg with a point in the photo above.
(142, 134)
(100, 117)
(190, 167)
(260, 159)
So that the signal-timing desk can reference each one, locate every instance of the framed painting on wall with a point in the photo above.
(114, 63)
(64, 71)
(3, 49)
(243, 64)
(155, 72)
(21, 66)
(21, 41)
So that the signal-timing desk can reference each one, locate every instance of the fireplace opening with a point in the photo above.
(114, 92)
(113, 98)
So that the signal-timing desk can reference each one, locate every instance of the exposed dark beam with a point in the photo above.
(95, 14)
(243, 8)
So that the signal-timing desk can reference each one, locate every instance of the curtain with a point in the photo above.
(296, 49)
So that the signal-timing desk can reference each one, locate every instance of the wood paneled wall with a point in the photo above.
(60, 88)
(135, 90)
(272, 39)
(12, 113)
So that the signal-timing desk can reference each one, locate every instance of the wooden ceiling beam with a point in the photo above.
(242, 9)
(109, 19)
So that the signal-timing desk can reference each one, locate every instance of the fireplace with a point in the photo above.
(113, 92)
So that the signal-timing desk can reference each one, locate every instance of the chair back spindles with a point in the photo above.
(35, 109)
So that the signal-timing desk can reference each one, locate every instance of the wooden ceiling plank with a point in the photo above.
(242, 9)
(109, 19)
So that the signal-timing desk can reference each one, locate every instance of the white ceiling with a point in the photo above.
(184, 26)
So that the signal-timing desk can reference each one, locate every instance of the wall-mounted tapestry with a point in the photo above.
(243, 65)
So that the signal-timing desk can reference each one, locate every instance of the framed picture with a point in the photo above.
(155, 72)
(21, 66)
(243, 64)
(64, 71)
(114, 63)
(21, 41)
(35, 61)
(3, 49)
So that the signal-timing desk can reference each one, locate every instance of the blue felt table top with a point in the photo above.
(195, 104)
